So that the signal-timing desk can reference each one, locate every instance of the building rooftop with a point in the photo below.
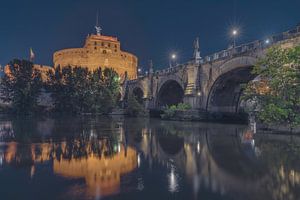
(103, 37)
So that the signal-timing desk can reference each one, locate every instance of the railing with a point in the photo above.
(252, 46)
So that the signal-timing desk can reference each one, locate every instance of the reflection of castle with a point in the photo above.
(101, 173)
(102, 176)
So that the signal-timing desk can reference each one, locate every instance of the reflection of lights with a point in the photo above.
(138, 160)
(1, 159)
(173, 180)
(198, 147)
(253, 143)
(267, 41)
(92, 134)
(257, 151)
(32, 171)
(116, 148)
(199, 93)
(140, 184)
(119, 148)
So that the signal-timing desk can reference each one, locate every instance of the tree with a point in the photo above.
(275, 95)
(60, 86)
(78, 90)
(134, 108)
(21, 86)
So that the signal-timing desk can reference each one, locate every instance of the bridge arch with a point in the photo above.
(171, 92)
(225, 90)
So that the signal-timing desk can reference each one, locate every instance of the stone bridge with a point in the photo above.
(210, 84)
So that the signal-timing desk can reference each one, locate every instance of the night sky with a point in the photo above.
(151, 29)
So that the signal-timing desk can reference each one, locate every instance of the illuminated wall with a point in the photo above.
(99, 51)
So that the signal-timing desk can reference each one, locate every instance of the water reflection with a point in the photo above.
(95, 161)
(134, 159)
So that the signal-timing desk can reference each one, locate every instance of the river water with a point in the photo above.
(122, 158)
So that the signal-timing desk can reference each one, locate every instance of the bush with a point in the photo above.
(134, 108)
(170, 111)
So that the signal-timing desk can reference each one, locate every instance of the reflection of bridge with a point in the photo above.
(194, 158)
(212, 83)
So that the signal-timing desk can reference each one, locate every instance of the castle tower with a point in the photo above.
(99, 51)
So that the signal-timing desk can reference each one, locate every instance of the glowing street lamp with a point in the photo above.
(267, 41)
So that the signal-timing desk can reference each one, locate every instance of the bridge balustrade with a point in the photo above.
(258, 44)
(238, 50)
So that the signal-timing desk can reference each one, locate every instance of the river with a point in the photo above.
(125, 158)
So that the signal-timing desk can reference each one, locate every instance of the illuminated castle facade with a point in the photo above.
(99, 51)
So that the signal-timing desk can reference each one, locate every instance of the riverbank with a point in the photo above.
(240, 118)
(196, 115)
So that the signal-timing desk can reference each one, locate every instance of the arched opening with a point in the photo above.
(138, 94)
(170, 93)
(227, 147)
(225, 93)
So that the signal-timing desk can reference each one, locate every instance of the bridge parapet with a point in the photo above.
(170, 70)
(252, 47)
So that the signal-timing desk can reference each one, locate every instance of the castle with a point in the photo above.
(99, 51)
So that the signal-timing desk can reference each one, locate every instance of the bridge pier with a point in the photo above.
(192, 100)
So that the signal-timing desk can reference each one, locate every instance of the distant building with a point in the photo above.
(42, 68)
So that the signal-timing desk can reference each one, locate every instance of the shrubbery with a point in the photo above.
(134, 108)
(170, 111)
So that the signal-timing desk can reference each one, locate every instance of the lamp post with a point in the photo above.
(172, 59)
(139, 71)
(234, 35)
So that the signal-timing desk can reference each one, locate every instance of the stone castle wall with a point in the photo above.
(99, 51)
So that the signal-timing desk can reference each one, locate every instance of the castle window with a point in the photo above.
(108, 44)
(95, 48)
(95, 43)
(116, 46)
(104, 51)
(102, 44)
